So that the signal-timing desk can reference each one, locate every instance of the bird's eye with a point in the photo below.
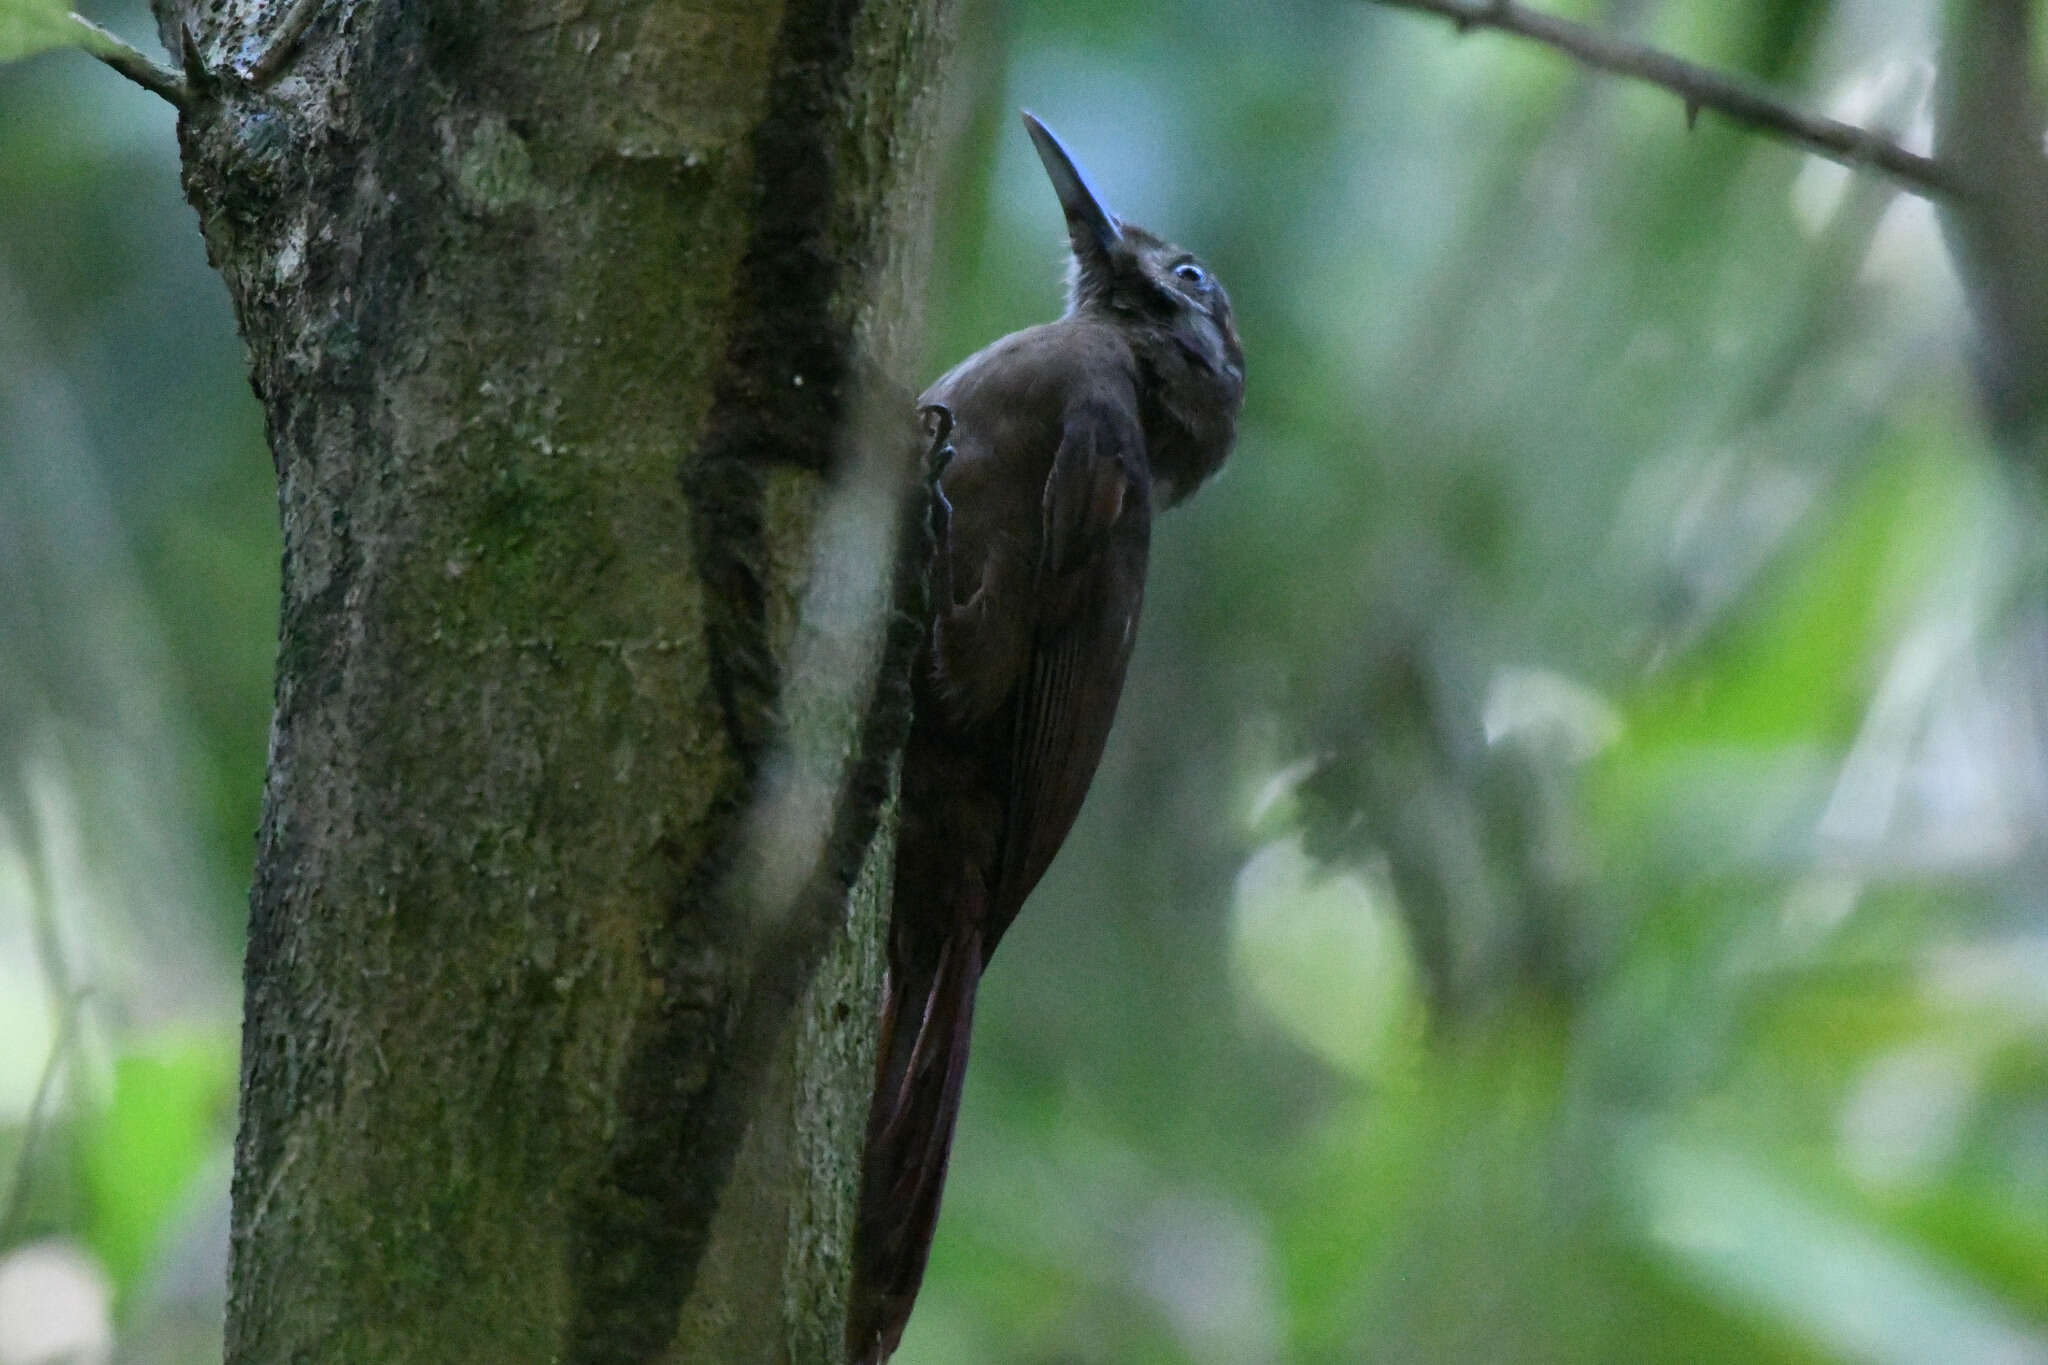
(1191, 273)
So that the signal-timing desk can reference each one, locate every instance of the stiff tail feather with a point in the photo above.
(926, 1021)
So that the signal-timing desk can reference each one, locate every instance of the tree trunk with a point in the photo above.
(563, 939)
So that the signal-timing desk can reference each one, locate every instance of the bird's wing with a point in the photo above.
(1090, 585)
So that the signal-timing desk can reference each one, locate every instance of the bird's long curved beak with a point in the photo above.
(1087, 218)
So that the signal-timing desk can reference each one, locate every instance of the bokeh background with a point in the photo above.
(1569, 880)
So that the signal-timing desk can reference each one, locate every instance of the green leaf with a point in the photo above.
(1760, 1243)
(31, 26)
(1326, 958)
(138, 1156)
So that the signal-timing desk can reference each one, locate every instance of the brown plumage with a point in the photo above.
(1067, 438)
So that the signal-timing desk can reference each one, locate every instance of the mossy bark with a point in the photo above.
(563, 317)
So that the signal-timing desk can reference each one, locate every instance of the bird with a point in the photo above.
(1054, 449)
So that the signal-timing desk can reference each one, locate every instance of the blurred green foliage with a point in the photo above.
(31, 26)
(138, 553)
(1567, 884)
(139, 1152)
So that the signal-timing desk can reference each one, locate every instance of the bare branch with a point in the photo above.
(285, 45)
(1987, 124)
(1702, 88)
(130, 62)
(68, 1024)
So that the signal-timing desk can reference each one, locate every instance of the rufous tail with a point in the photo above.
(926, 1020)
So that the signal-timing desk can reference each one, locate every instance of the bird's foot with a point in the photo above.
(938, 421)
(939, 511)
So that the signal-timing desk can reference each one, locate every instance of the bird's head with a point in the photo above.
(1135, 276)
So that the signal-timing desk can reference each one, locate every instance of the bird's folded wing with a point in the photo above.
(1091, 582)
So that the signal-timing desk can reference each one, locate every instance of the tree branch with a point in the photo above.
(285, 45)
(1702, 88)
(130, 62)
(1987, 124)
(68, 1024)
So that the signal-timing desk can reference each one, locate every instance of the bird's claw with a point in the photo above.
(938, 420)
(939, 510)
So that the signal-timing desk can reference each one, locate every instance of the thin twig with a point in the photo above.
(130, 62)
(38, 1113)
(285, 45)
(1702, 88)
